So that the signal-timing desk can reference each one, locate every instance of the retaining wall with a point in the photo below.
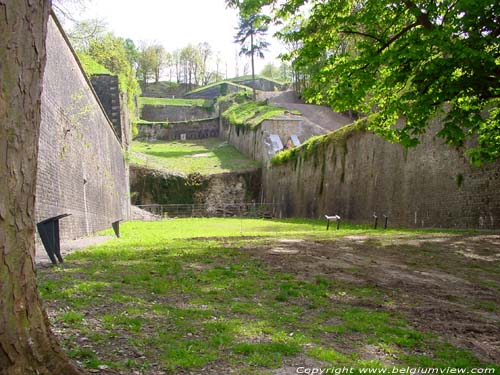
(81, 166)
(149, 186)
(172, 113)
(357, 174)
(197, 129)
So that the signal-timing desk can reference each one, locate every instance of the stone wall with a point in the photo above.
(356, 174)
(199, 129)
(254, 142)
(81, 166)
(164, 89)
(149, 186)
(114, 102)
(172, 113)
(214, 91)
(262, 84)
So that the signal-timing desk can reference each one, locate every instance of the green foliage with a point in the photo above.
(251, 114)
(111, 55)
(318, 144)
(251, 31)
(206, 156)
(221, 84)
(90, 66)
(415, 60)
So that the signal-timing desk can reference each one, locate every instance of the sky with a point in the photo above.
(176, 23)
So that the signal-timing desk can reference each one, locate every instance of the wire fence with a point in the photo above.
(256, 210)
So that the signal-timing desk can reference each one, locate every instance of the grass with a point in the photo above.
(175, 296)
(220, 83)
(257, 76)
(91, 66)
(204, 156)
(159, 102)
(251, 114)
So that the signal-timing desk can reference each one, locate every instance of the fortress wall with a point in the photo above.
(196, 129)
(357, 173)
(81, 167)
(250, 142)
(150, 186)
(172, 113)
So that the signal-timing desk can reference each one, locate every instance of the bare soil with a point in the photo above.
(445, 284)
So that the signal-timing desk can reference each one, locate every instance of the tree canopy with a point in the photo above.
(250, 35)
(406, 59)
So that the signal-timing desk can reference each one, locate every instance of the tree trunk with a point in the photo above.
(27, 346)
(253, 69)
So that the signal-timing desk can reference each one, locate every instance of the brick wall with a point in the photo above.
(199, 129)
(432, 185)
(172, 113)
(81, 166)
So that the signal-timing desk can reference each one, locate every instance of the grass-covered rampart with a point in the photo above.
(251, 114)
(318, 144)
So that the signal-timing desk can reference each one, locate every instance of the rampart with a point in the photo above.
(356, 174)
(172, 113)
(196, 129)
(81, 167)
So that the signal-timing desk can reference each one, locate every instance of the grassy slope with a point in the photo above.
(179, 156)
(251, 114)
(169, 296)
(244, 88)
(91, 66)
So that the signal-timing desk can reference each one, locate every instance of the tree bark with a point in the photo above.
(27, 345)
(253, 68)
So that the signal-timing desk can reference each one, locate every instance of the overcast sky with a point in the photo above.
(175, 23)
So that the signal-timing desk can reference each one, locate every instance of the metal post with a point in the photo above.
(386, 220)
(376, 221)
(338, 224)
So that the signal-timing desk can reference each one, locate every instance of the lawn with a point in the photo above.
(204, 156)
(249, 296)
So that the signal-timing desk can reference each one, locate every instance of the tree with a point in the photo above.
(410, 59)
(251, 30)
(160, 60)
(27, 345)
(205, 52)
(270, 71)
(85, 32)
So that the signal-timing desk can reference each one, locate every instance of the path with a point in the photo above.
(67, 247)
(320, 115)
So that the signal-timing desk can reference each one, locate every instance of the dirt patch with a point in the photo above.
(446, 284)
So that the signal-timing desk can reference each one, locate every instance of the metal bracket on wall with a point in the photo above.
(116, 227)
(49, 233)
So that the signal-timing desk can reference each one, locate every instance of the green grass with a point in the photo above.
(179, 296)
(257, 76)
(90, 66)
(220, 83)
(205, 156)
(158, 102)
(251, 114)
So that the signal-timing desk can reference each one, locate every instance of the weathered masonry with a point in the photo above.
(81, 165)
(354, 173)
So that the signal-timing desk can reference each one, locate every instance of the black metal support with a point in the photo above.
(329, 219)
(49, 233)
(376, 221)
(116, 228)
(386, 219)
